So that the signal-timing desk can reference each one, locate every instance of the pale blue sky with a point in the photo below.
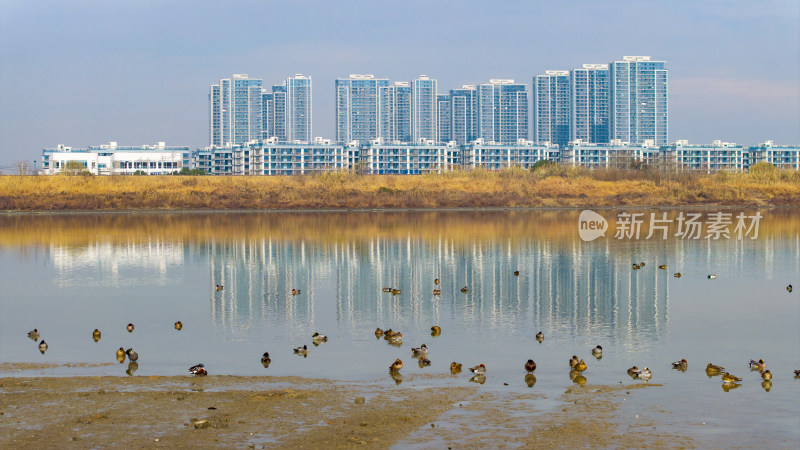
(88, 72)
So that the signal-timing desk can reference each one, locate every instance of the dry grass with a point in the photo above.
(553, 186)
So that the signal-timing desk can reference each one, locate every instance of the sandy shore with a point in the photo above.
(265, 412)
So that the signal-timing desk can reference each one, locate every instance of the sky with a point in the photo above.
(88, 72)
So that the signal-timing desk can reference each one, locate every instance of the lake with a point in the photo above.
(67, 274)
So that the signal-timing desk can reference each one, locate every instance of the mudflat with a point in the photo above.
(267, 412)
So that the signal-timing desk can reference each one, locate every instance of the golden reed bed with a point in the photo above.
(557, 186)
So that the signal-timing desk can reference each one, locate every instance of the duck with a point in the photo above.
(396, 365)
(302, 350)
(218, 287)
(581, 366)
(178, 325)
(712, 276)
(437, 292)
(386, 334)
(530, 366)
(663, 267)
(43, 346)
(789, 288)
(132, 368)
(728, 378)
(295, 291)
(797, 373)
(757, 365)
(465, 289)
(480, 369)
(677, 275)
(386, 289)
(420, 351)
(516, 273)
(318, 338)
(455, 368)
(573, 361)
(436, 330)
(378, 333)
(540, 336)
(198, 370)
(641, 264)
(766, 375)
(96, 335)
(396, 291)
(132, 355)
(436, 281)
(121, 355)
(597, 351)
(714, 369)
(423, 361)
(265, 359)
(644, 374)
(635, 266)
(33, 335)
(680, 365)
(396, 336)
(633, 372)
(129, 328)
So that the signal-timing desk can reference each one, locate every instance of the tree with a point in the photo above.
(22, 167)
(188, 171)
(74, 168)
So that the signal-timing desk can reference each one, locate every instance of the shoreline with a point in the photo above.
(264, 412)
(698, 206)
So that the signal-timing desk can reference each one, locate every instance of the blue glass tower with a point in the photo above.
(424, 108)
(298, 109)
(235, 109)
(502, 111)
(395, 112)
(464, 114)
(551, 105)
(639, 100)
(357, 104)
(589, 104)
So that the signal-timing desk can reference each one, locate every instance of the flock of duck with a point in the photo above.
(577, 366)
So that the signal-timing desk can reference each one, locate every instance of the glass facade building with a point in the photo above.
(298, 109)
(443, 117)
(589, 104)
(502, 111)
(235, 110)
(424, 108)
(638, 100)
(551, 107)
(394, 112)
(357, 104)
(464, 114)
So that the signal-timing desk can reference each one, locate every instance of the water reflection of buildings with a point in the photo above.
(107, 264)
(574, 286)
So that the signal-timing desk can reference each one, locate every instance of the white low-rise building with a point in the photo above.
(113, 159)
(614, 154)
(780, 156)
(494, 156)
(707, 158)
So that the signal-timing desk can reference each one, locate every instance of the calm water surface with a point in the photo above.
(69, 274)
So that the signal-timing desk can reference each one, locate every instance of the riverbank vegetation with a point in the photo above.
(546, 186)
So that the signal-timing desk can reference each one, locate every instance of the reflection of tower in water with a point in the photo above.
(258, 277)
(570, 286)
